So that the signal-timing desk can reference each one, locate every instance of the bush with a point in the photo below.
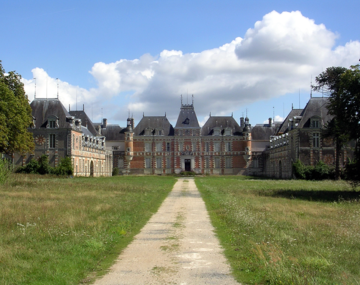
(31, 167)
(44, 167)
(64, 168)
(5, 170)
(115, 171)
(319, 172)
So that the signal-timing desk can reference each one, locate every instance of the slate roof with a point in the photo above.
(315, 107)
(222, 122)
(187, 117)
(285, 125)
(154, 122)
(85, 120)
(264, 131)
(42, 109)
(113, 132)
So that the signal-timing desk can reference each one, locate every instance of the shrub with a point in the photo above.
(5, 170)
(64, 168)
(299, 170)
(31, 167)
(44, 167)
(320, 171)
(352, 173)
(115, 171)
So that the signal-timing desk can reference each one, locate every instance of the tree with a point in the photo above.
(15, 115)
(343, 86)
(330, 82)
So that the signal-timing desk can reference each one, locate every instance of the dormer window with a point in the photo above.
(227, 132)
(148, 132)
(315, 123)
(52, 124)
(217, 132)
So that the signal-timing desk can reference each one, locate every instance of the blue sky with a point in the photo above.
(139, 56)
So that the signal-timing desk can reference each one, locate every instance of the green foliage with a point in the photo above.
(5, 170)
(15, 115)
(41, 166)
(318, 172)
(64, 168)
(44, 167)
(115, 171)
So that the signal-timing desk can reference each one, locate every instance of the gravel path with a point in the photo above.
(176, 246)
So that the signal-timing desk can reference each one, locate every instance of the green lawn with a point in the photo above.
(286, 232)
(68, 231)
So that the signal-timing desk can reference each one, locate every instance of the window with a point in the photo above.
(207, 146)
(217, 146)
(217, 162)
(316, 140)
(228, 146)
(121, 163)
(160, 132)
(52, 124)
(147, 146)
(315, 123)
(52, 141)
(228, 162)
(207, 162)
(228, 132)
(168, 162)
(216, 132)
(158, 162)
(158, 146)
(168, 147)
(180, 146)
(194, 146)
(147, 162)
(73, 141)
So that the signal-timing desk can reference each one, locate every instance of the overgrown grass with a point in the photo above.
(68, 231)
(286, 232)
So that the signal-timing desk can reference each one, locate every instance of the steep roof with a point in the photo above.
(264, 131)
(222, 122)
(315, 107)
(113, 132)
(42, 109)
(154, 122)
(187, 117)
(85, 120)
(284, 126)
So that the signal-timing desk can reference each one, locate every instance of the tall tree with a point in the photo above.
(15, 115)
(330, 82)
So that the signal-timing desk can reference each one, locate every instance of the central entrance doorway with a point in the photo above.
(187, 164)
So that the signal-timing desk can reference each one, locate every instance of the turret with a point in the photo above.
(129, 147)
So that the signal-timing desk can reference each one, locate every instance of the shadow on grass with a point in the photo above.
(322, 195)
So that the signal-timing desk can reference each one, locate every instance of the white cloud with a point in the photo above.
(277, 56)
(276, 119)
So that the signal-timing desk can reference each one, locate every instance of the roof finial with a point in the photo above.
(210, 115)
(311, 87)
(181, 99)
(192, 99)
(292, 106)
(165, 114)
(143, 114)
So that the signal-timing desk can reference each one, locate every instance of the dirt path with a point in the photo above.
(176, 246)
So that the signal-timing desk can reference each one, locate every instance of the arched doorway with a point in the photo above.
(91, 169)
(280, 169)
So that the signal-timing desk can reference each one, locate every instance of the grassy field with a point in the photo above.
(68, 231)
(286, 232)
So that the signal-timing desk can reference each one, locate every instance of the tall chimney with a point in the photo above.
(104, 123)
(270, 121)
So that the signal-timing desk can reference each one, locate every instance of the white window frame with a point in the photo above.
(159, 146)
(316, 140)
(52, 141)
(217, 146)
(228, 162)
(217, 162)
(147, 147)
(147, 162)
(227, 146)
(158, 162)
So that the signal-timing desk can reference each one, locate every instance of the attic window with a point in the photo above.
(52, 124)
(227, 132)
(315, 123)
(216, 132)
